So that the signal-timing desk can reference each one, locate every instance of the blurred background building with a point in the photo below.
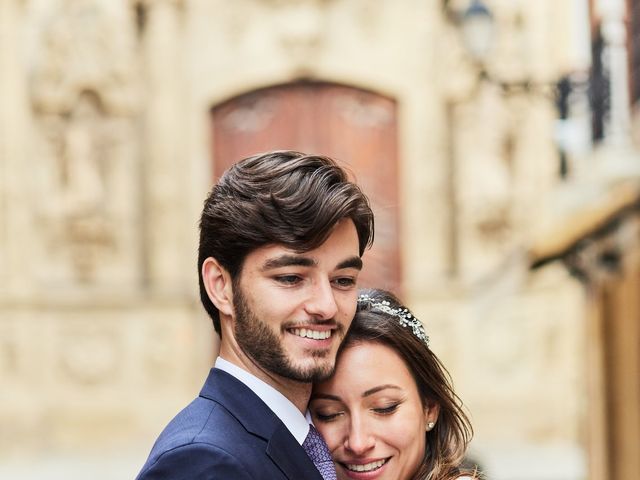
(497, 140)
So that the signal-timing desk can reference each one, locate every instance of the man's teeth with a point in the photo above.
(308, 333)
(367, 467)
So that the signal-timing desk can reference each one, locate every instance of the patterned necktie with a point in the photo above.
(319, 454)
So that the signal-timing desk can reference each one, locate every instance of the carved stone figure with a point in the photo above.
(82, 88)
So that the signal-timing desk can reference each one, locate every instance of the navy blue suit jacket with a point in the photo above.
(227, 433)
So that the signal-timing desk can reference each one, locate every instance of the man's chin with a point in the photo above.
(308, 373)
(324, 375)
(318, 373)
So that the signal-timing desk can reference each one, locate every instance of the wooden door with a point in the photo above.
(612, 268)
(621, 345)
(358, 128)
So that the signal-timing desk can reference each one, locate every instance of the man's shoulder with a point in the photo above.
(204, 435)
(193, 423)
(194, 460)
(203, 421)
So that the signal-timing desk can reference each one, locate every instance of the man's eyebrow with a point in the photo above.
(373, 390)
(287, 261)
(353, 262)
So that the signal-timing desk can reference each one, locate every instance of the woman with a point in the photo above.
(389, 411)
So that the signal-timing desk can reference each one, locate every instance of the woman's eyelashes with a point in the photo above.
(326, 416)
(386, 410)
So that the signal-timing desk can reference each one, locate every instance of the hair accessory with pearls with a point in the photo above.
(405, 317)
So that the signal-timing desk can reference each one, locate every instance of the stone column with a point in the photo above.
(614, 32)
(164, 161)
(610, 267)
(15, 231)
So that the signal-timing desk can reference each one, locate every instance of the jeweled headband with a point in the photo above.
(404, 316)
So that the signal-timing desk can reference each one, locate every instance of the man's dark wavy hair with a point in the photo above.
(281, 197)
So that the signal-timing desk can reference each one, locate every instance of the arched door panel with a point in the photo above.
(354, 126)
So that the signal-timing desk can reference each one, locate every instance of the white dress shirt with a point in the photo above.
(287, 412)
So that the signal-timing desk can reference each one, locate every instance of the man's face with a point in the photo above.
(292, 310)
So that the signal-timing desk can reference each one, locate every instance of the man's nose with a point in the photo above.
(322, 302)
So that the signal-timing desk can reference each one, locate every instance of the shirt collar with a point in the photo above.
(293, 419)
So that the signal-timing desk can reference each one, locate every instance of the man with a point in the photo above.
(281, 240)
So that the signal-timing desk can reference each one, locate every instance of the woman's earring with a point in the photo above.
(430, 425)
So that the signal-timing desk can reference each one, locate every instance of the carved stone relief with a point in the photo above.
(299, 26)
(3, 226)
(84, 96)
(88, 354)
(19, 347)
(484, 186)
(159, 351)
(9, 350)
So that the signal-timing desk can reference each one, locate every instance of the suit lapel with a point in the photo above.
(287, 453)
(241, 402)
(258, 419)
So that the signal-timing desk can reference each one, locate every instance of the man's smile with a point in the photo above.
(311, 333)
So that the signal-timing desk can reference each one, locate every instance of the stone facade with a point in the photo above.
(105, 161)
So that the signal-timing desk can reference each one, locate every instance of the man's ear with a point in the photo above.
(218, 284)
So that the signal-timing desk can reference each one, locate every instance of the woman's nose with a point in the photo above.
(359, 439)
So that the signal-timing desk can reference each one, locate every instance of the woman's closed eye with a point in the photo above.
(326, 415)
(386, 410)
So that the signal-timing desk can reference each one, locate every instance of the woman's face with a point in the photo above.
(371, 415)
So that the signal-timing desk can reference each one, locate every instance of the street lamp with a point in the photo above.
(477, 28)
(476, 25)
